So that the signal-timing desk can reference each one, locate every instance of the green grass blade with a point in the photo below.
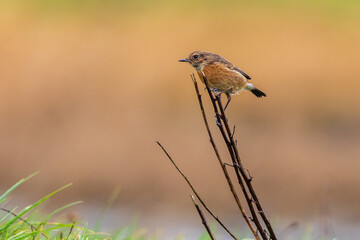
(8, 214)
(110, 202)
(29, 208)
(16, 236)
(2, 197)
(45, 221)
(24, 236)
(58, 210)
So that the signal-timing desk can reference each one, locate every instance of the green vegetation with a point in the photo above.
(28, 224)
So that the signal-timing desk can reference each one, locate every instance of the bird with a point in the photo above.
(222, 76)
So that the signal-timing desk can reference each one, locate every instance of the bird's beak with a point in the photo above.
(183, 60)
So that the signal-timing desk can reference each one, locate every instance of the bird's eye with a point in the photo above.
(195, 56)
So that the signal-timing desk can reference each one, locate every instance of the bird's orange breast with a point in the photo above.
(223, 78)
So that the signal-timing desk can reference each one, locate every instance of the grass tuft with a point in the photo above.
(17, 226)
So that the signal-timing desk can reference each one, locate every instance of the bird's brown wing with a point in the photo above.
(242, 72)
(232, 67)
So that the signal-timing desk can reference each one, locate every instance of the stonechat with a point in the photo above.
(222, 75)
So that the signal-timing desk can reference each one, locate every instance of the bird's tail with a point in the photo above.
(254, 90)
(258, 93)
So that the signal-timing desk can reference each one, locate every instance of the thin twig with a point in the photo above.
(220, 121)
(247, 178)
(195, 192)
(223, 167)
(203, 220)
(238, 166)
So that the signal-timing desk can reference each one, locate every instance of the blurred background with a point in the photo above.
(86, 87)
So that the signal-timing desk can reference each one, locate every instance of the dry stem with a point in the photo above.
(249, 192)
(203, 220)
(195, 192)
(223, 167)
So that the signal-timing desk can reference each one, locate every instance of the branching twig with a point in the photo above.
(247, 179)
(237, 165)
(243, 175)
(195, 192)
(223, 167)
(203, 220)
(222, 123)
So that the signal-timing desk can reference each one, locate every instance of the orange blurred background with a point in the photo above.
(87, 88)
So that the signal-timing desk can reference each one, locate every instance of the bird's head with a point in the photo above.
(199, 59)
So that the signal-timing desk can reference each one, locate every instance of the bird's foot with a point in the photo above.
(234, 165)
(217, 122)
(218, 119)
(217, 92)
